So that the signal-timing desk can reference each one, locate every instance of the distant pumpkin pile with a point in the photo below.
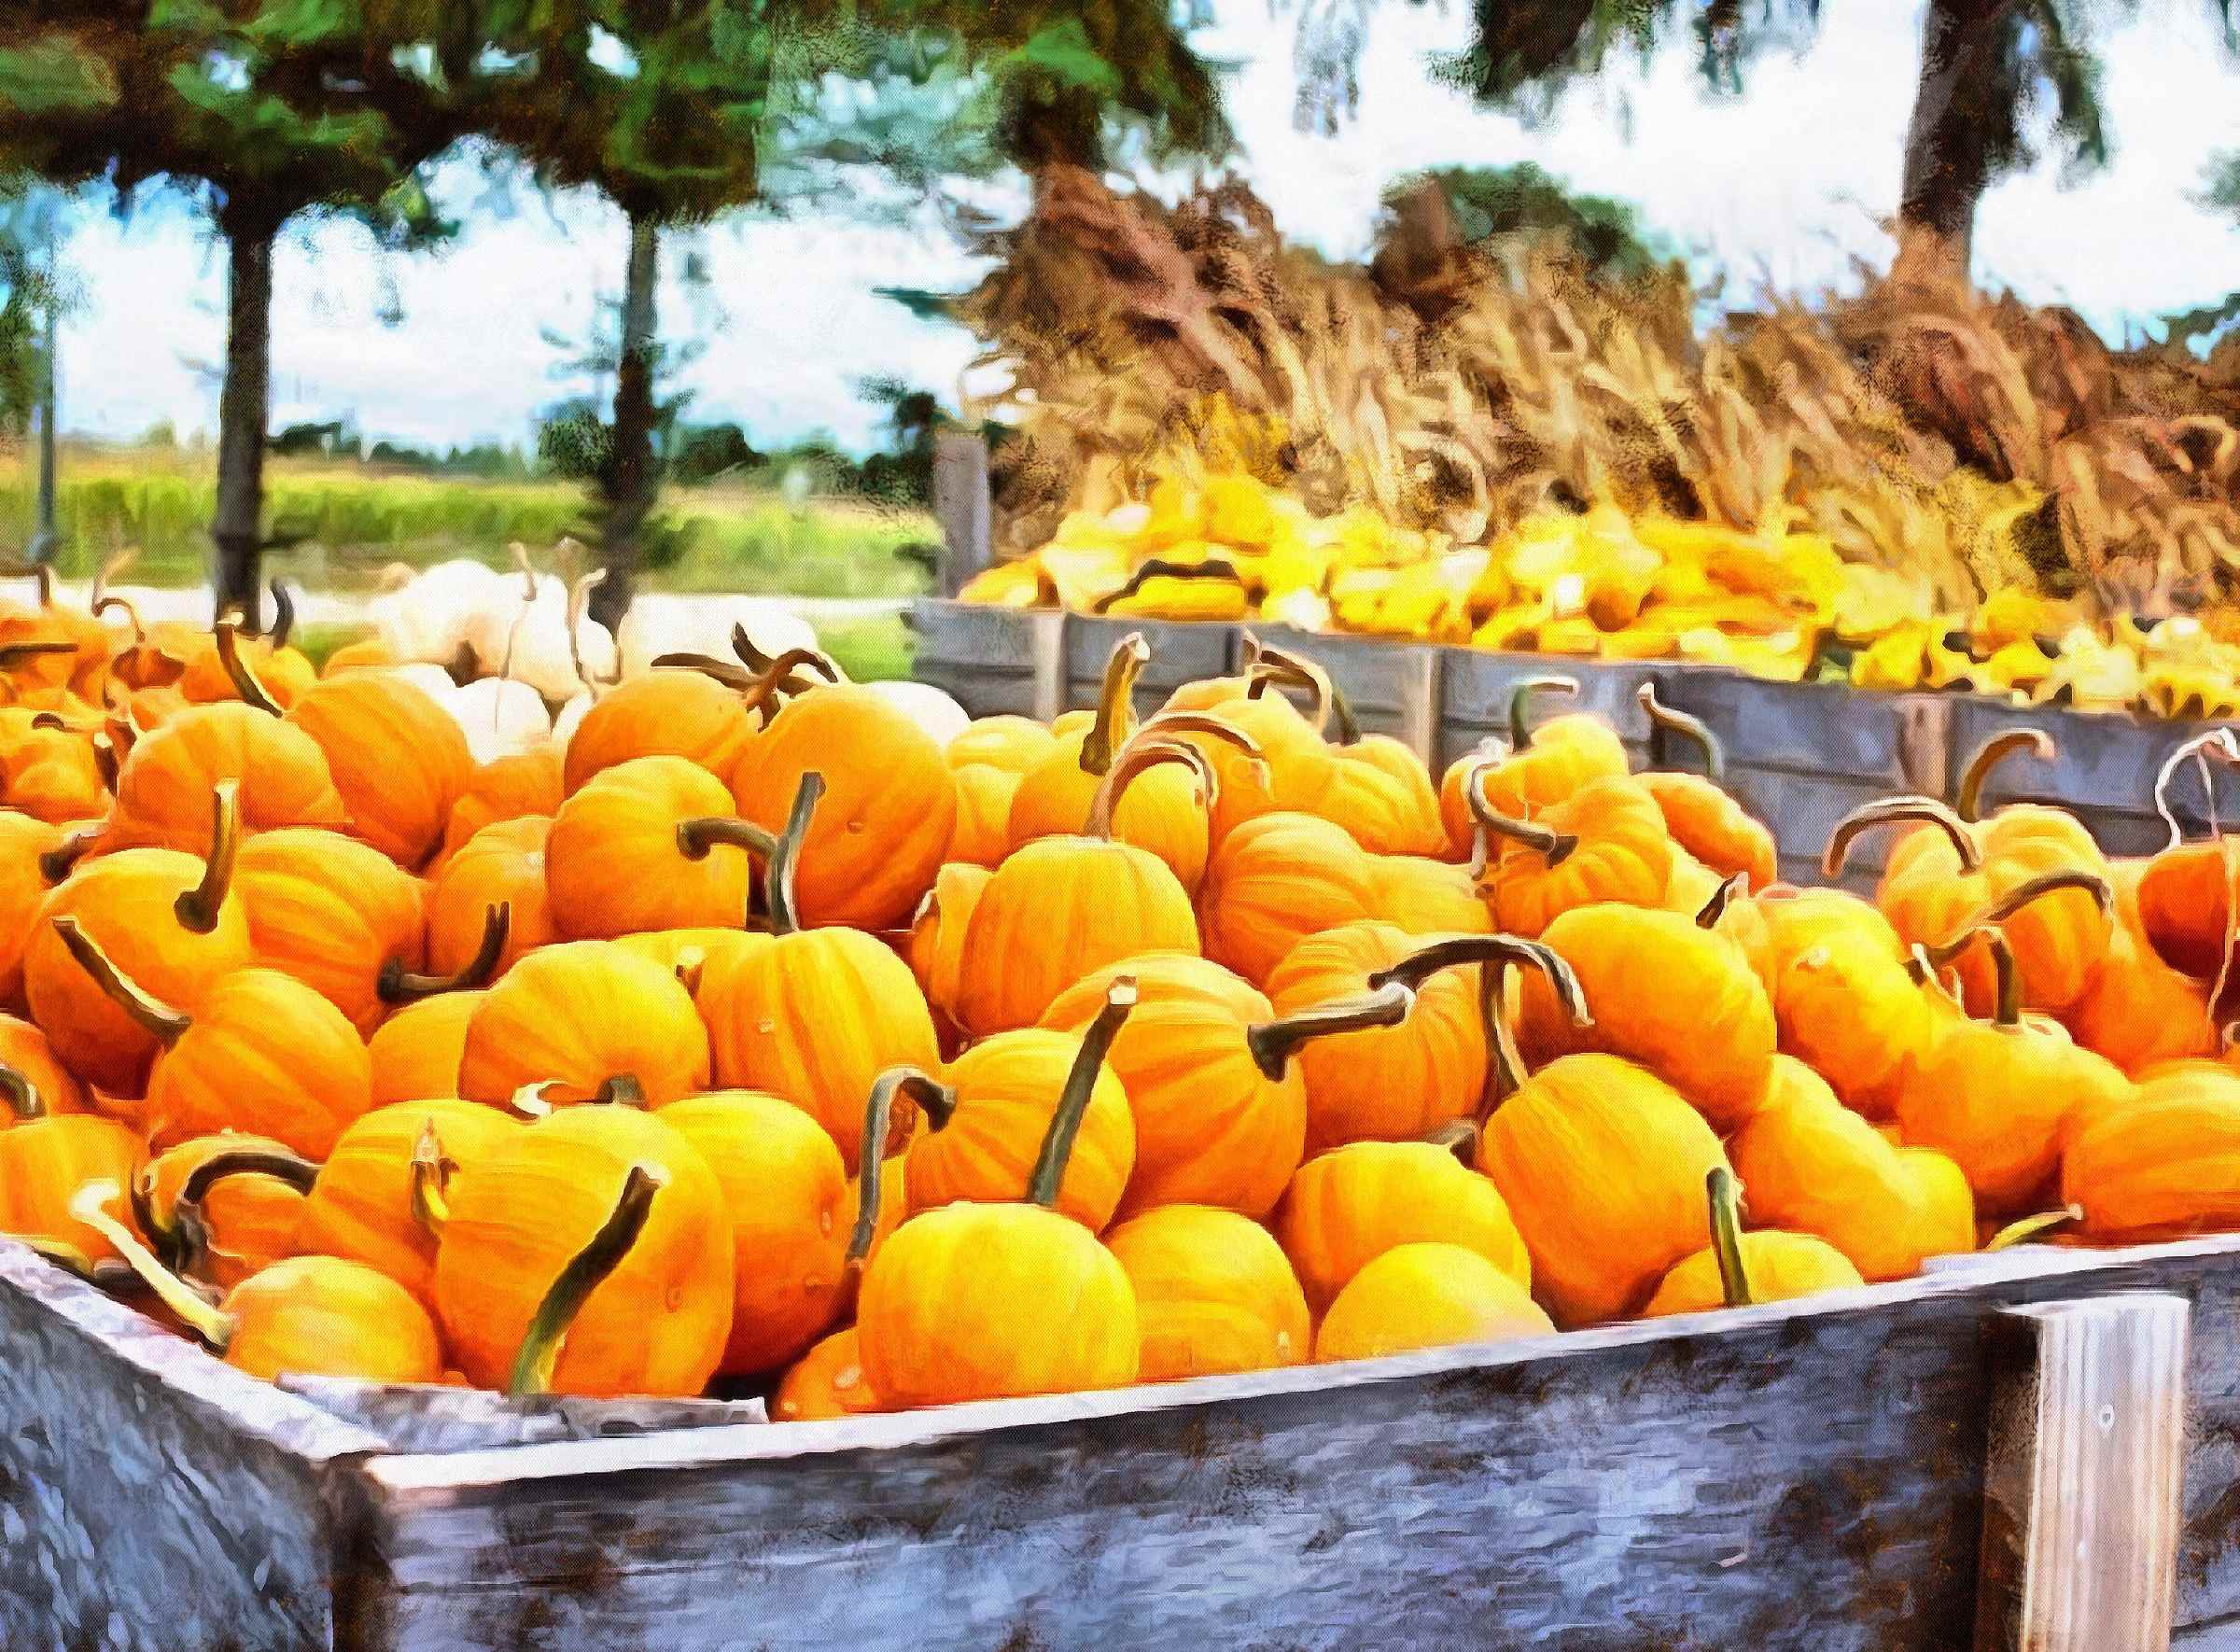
(753, 1037)
(1779, 604)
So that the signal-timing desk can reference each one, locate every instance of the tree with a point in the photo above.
(261, 111)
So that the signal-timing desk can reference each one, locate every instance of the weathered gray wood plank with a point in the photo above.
(994, 660)
(2081, 1493)
(1182, 650)
(1393, 687)
(417, 1418)
(962, 505)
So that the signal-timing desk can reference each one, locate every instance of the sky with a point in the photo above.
(1784, 189)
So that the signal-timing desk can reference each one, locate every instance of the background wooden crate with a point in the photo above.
(993, 660)
(1182, 650)
(1393, 687)
(1476, 686)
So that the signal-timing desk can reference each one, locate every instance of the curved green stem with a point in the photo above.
(1969, 801)
(1675, 722)
(2029, 1227)
(1547, 840)
(151, 1014)
(200, 906)
(785, 859)
(1520, 705)
(1136, 757)
(1272, 1044)
(695, 837)
(585, 1272)
(91, 1206)
(1330, 703)
(1081, 1085)
(937, 1100)
(227, 635)
(1116, 718)
(398, 985)
(1894, 811)
(1725, 1195)
(21, 1095)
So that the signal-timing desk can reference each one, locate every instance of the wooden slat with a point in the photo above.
(1393, 687)
(2082, 1488)
(993, 660)
(962, 506)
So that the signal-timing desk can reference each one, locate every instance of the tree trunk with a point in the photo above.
(244, 409)
(1948, 163)
(631, 482)
(45, 540)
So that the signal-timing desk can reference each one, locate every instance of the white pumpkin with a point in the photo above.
(656, 626)
(501, 717)
(934, 710)
(433, 613)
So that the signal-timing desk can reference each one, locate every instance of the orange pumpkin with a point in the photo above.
(1702, 817)
(1061, 907)
(1350, 1206)
(260, 1053)
(826, 1383)
(24, 845)
(982, 835)
(399, 760)
(363, 1203)
(890, 803)
(168, 919)
(812, 1016)
(1740, 1268)
(35, 1081)
(589, 1019)
(1426, 1296)
(937, 933)
(650, 844)
(1214, 1294)
(336, 914)
(785, 1189)
(986, 1121)
(46, 1159)
(664, 713)
(1276, 879)
(1426, 897)
(589, 1253)
(1213, 1126)
(1846, 999)
(1010, 745)
(2187, 896)
(1605, 841)
(1547, 764)
(2136, 1009)
(2164, 1164)
(504, 788)
(163, 789)
(415, 1052)
(502, 865)
(222, 1207)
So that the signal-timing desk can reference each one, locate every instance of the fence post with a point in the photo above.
(961, 502)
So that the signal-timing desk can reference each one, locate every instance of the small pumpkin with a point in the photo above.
(977, 1301)
(1545, 764)
(588, 1254)
(399, 761)
(938, 930)
(826, 1383)
(163, 789)
(168, 919)
(46, 1158)
(24, 845)
(337, 915)
(1846, 999)
(260, 1053)
(1010, 745)
(1426, 897)
(1605, 841)
(415, 1053)
(1740, 1268)
(1350, 1206)
(1426, 1296)
(1214, 1126)
(585, 1019)
(2187, 896)
(982, 835)
(1276, 879)
(505, 788)
(222, 1208)
(650, 844)
(812, 1016)
(2162, 1165)
(502, 865)
(987, 1120)
(1214, 1294)
(35, 1081)
(785, 1190)
(363, 1203)
(2136, 1009)
(665, 713)
(1061, 907)
(1702, 817)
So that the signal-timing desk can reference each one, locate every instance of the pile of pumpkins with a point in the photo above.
(755, 1039)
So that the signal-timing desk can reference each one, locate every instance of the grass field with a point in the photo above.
(360, 519)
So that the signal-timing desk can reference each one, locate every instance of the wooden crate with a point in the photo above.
(1804, 1475)
(1476, 686)
(1801, 756)
(1393, 687)
(993, 660)
(1182, 650)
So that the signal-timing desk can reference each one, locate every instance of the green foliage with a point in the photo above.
(1494, 202)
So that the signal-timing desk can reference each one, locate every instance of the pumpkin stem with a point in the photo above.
(585, 1272)
(1168, 724)
(786, 667)
(695, 837)
(1993, 752)
(785, 858)
(431, 1172)
(1893, 811)
(1687, 726)
(1081, 1085)
(200, 907)
(1708, 915)
(1159, 567)
(937, 1100)
(1115, 716)
(1454, 950)
(579, 609)
(227, 635)
(284, 613)
(188, 1238)
(151, 1014)
(1725, 1195)
(2046, 883)
(621, 1090)
(192, 1309)
(1136, 756)
(56, 863)
(1277, 665)
(2029, 1227)
(398, 985)
(736, 677)
(1520, 705)
(1273, 1043)
(1547, 840)
(16, 654)
(2218, 743)
(21, 1096)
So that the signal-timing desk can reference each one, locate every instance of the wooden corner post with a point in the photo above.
(962, 504)
(2083, 1480)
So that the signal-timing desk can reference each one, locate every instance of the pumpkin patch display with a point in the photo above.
(740, 1029)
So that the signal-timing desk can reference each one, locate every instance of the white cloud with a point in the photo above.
(1785, 185)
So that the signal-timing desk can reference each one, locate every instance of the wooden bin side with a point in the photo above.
(1798, 1476)
(993, 660)
(1475, 686)
(1182, 650)
(150, 1497)
(1393, 687)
